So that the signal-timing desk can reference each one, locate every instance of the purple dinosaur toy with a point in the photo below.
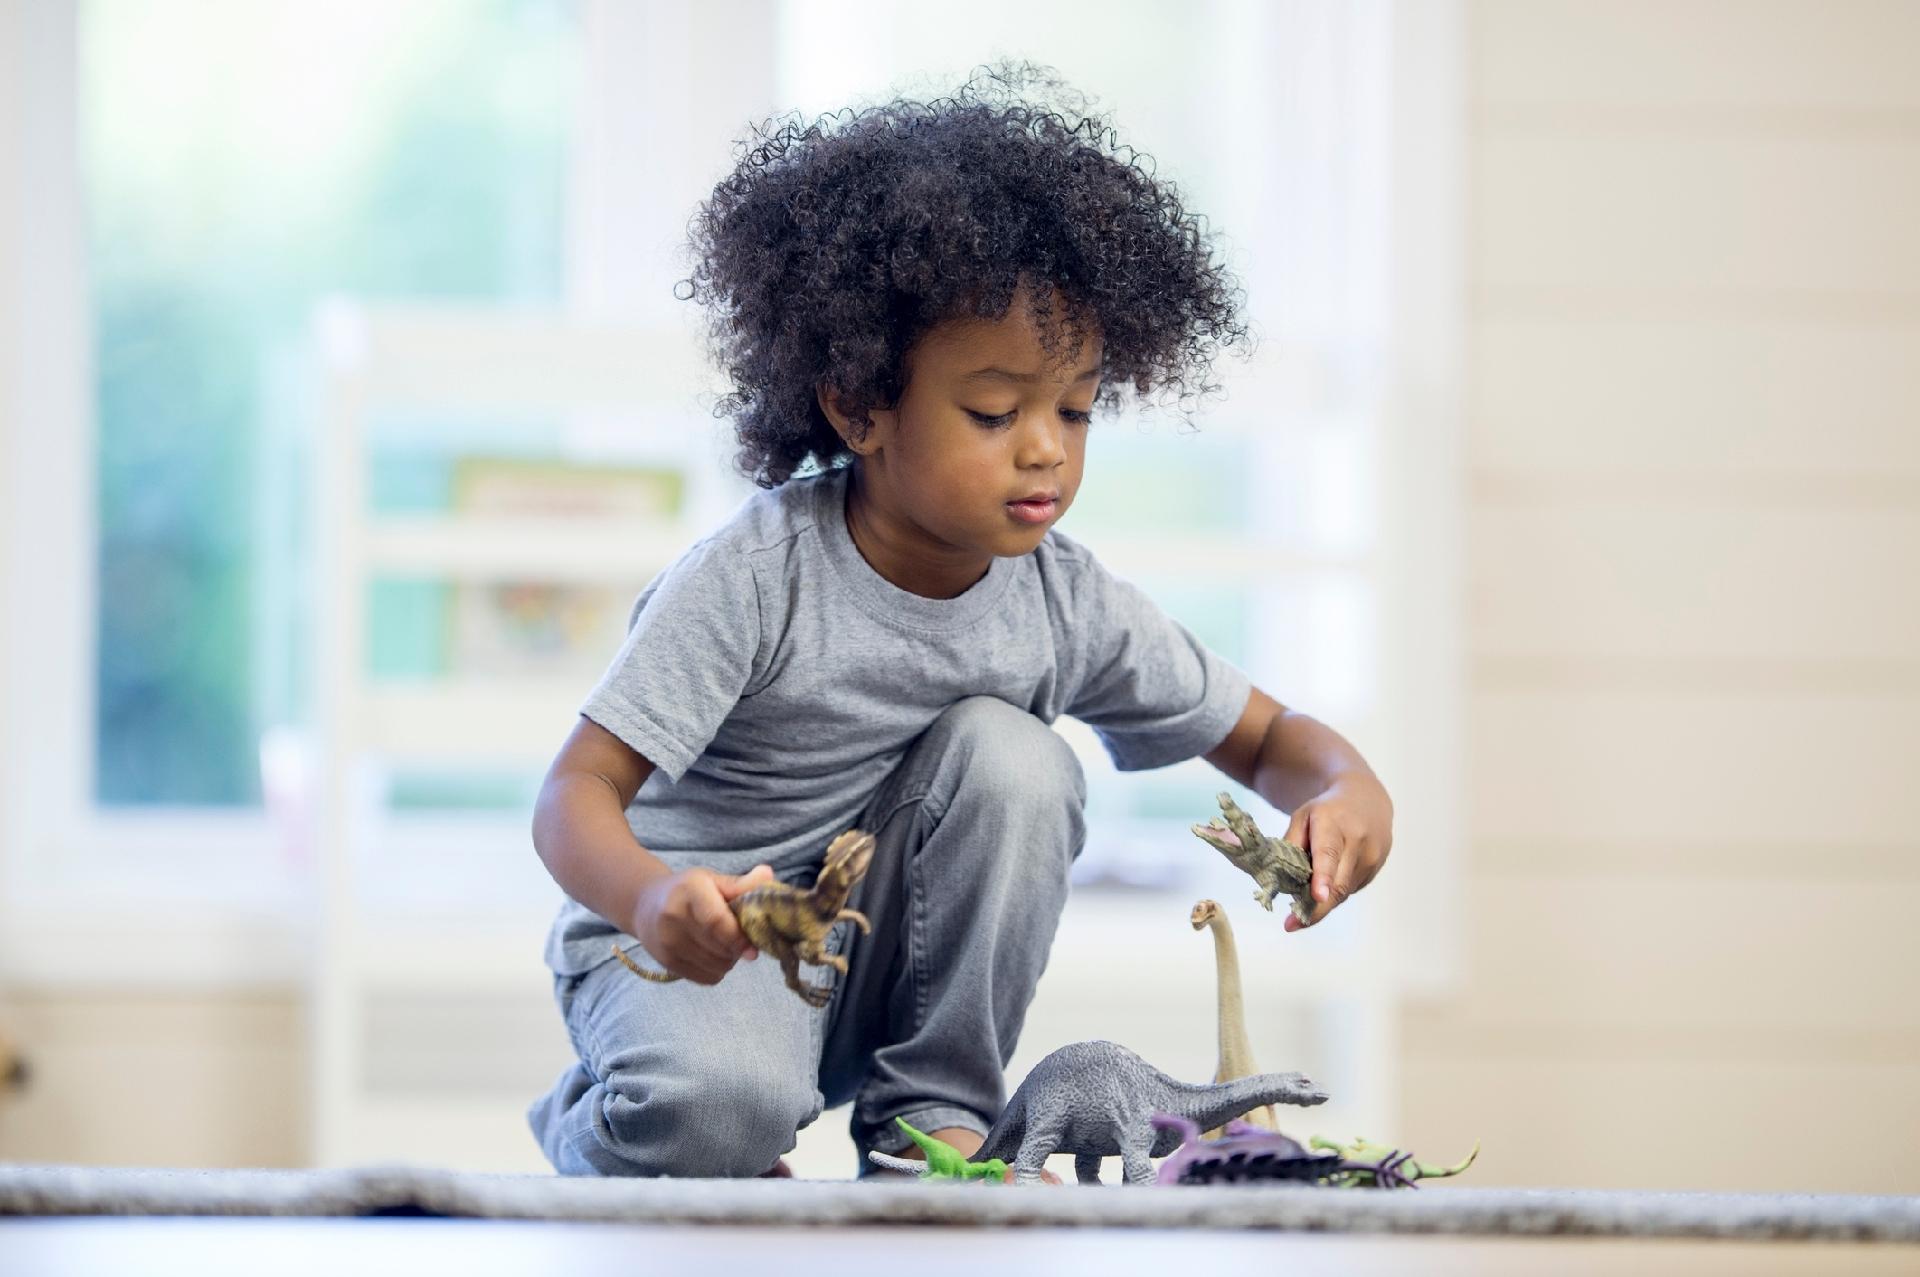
(1245, 1152)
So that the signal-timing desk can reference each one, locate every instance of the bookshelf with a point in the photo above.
(426, 927)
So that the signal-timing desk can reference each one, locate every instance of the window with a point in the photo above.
(240, 161)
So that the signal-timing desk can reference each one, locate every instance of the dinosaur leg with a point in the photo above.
(857, 918)
(1136, 1165)
(815, 953)
(1036, 1146)
(1086, 1167)
(790, 965)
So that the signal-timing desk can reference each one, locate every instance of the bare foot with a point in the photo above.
(780, 1171)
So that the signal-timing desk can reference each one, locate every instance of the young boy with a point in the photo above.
(926, 301)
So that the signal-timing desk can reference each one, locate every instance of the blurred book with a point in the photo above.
(528, 487)
(536, 629)
(533, 628)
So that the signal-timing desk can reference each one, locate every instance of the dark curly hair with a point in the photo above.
(836, 243)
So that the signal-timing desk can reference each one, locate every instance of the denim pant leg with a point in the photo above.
(681, 1079)
(976, 831)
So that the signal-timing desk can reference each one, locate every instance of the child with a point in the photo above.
(927, 301)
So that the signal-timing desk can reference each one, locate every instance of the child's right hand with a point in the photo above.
(686, 921)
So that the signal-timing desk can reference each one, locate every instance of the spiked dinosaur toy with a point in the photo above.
(1097, 1100)
(1278, 867)
(1236, 1054)
(792, 924)
(1248, 1155)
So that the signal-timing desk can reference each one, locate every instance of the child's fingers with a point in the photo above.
(702, 969)
(1297, 825)
(732, 887)
(1332, 867)
(684, 957)
(715, 928)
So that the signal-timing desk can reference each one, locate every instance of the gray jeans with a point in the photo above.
(976, 831)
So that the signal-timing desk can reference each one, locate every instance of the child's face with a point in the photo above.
(984, 451)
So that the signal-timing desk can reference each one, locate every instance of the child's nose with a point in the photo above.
(1043, 443)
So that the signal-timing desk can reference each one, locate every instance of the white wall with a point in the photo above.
(13, 130)
(1694, 393)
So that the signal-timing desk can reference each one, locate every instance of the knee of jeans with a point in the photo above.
(710, 1118)
(1022, 761)
(1013, 750)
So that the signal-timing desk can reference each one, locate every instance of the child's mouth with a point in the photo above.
(1034, 511)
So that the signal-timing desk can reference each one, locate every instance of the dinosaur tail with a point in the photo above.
(905, 1165)
(658, 977)
(1441, 1172)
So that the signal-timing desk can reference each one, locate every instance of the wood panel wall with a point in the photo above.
(1694, 573)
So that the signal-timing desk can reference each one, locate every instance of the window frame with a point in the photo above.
(63, 864)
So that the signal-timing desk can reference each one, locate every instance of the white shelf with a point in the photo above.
(467, 720)
(566, 550)
(391, 922)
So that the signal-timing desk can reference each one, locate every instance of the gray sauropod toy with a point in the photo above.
(1097, 1100)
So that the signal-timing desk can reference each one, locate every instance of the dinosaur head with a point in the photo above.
(846, 864)
(1216, 835)
(1203, 913)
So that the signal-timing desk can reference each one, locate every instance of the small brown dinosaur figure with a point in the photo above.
(1278, 867)
(792, 924)
(1236, 1053)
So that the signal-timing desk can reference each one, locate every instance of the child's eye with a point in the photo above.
(1006, 418)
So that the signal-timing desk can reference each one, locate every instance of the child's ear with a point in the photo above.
(863, 439)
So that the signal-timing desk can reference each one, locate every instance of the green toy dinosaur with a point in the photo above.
(1386, 1163)
(943, 1161)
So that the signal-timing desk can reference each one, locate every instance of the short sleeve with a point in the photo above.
(688, 656)
(1152, 692)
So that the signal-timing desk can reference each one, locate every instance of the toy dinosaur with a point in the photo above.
(1278, 867)
(1236, 1055)
(1096, 1099)
(792, 924)
(1247, 1154)
(943, 1161)
(1377, 1166)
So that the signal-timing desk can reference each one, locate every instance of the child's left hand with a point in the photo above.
(1348, 830)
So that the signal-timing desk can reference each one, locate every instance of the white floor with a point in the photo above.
(365, 1248)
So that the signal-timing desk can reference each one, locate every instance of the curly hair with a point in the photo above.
(836, 243)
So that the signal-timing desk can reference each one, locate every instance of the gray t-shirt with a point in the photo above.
(774, 680)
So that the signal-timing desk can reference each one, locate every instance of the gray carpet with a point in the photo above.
(72, 1190)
